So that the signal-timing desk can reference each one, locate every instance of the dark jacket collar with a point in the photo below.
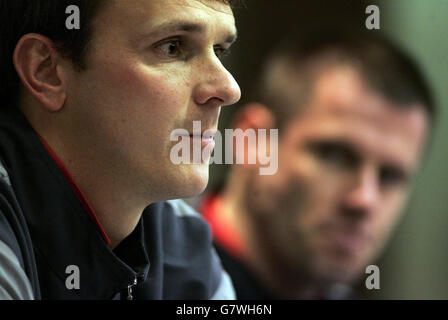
(62, 231)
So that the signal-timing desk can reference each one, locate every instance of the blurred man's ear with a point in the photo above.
(253, 116)
(38, 66)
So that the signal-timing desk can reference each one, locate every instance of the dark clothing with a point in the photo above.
(169, 255)
(247, 287)
(231, 249)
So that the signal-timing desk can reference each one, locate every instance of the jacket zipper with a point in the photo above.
(130, 297)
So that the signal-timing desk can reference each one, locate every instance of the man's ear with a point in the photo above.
(37, 63)
(252, 116)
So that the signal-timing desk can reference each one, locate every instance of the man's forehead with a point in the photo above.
(217, 5)
(343, 107)
(142, 6)
(145, 15)
(343, 94)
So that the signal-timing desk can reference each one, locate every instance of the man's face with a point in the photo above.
(345, 166)
(152, 67)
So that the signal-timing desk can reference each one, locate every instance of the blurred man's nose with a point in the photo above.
(364, 194)
(217, 87)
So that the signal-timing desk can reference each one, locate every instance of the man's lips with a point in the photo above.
(206, 133)
(206, 137)
(350, 239)
(205, 140)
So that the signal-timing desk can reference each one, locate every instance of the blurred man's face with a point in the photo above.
(153, 66)
(345, 166)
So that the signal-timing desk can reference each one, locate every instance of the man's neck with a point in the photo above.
(109, 191)
(106, 198)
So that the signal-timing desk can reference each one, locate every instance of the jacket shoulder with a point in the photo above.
(192, 267)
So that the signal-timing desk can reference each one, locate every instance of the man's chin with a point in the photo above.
(194, 180)
(337, 271)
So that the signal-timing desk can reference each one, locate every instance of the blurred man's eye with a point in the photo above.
(391, 176)
(334, 154)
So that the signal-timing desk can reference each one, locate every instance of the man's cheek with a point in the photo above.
(132, 82)
(293, 198)
(386, 222)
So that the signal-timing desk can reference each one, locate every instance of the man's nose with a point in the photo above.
(365, 193)
(217, 87)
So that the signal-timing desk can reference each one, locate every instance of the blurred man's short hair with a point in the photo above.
(384, 67)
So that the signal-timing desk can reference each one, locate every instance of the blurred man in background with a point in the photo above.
(354, 115)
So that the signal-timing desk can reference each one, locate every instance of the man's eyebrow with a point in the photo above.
(185, 26)
(175, 26)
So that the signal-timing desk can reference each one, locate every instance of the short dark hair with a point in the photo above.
(383, 66)
(46, 17)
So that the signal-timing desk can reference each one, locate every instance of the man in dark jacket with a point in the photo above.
(90, 93)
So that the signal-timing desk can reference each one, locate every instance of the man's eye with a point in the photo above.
(221, 52)
(392, 177)
(172, 48)
(334, 155)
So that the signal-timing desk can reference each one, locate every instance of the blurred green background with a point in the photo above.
(415, 264)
